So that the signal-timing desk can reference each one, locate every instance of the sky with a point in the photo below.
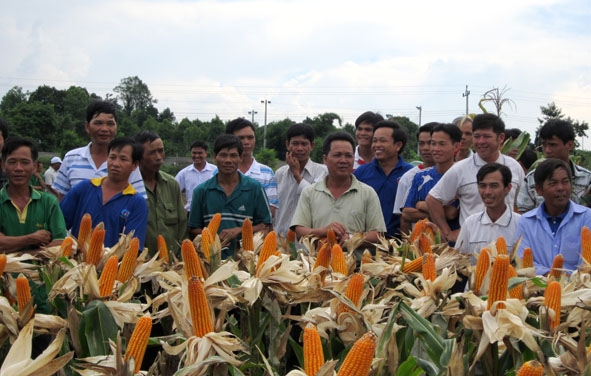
(308, 57)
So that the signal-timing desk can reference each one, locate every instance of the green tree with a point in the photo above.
(410, 149)
(12, 98)
(134, 94)
(36, 121)
(277, 135)
(551, 111)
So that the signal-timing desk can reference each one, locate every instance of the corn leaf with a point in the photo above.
(97, 326)
(409, 368)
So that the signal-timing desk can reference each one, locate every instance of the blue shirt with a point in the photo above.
(536, 234)
(125, 211)
(422, 183)
(373, 175)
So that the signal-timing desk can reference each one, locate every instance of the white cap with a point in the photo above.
(56, 160)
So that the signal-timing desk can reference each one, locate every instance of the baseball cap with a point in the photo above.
(56, 160)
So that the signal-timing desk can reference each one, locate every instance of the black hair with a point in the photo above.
(227, 141)
(146, 136)
(4, 129)
(528, 157)
(368, 117)
(137, 150)
(559, 128)
(398, 134)
(238, 124)
(199, 144)
(428, 128)
(512, 133)
(453, 131)
(488, 121)
(489, 168)
(547, 167)
(100, 107)
(16, 142)
(336, 136)
(301, 129)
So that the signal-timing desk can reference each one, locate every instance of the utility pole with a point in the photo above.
(466, 94)
(265, 126)
(253, 112)
(420, 108)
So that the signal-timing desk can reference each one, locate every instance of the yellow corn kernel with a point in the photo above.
(323, 257)
(66, 247)
(429, 269)
(531, 368)
(358, 360)
(200, 309)
(482, 266)
(3, 258)
(413, 266)
(418, 229)
(191, 260)
(338, 261)
(136, 348)
(291, 236)
(107, 279)
(499, 281)
(552, 299)
(586, 244)
(129, 261)
(313, 354)
(557, 264)
(528, 258)
(517, 291)
(269, 248)
(353, 291)
(85, 232)
(425, 244)
(501, 246)
(23, 291)
(206, 242)
(95, 247)
(162, 248)
(247, 235)
(331, 238)
(366, 258)
(214, 224)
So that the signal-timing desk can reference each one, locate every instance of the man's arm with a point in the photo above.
(437, 214)
(339, 229)
(12, 244)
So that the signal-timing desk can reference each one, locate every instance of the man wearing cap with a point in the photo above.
(51, 172)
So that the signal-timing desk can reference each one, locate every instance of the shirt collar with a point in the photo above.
(129, 190)
(503, 220)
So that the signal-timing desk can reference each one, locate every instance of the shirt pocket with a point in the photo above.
(170, 214)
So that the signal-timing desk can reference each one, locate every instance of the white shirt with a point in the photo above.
(479, 230)
(460, 182)
(358, 160)
(288, 191)
(403, 188)
(190, 177)
(50, 175)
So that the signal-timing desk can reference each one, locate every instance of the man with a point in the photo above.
(339, 201)
(244, 130)
(364, 127)
(555, 226)
(465, 124)
(166, 211)
(30, 218)
(384, 171)
(197, 173)
(37, 181)
(51, 173)
(90, 161)
(3, 139)
(110, 199)
(460, 179)
(497, 218)
(424, 141)
(234, 195)
(558, 140)
(299, 172)
(445, 143)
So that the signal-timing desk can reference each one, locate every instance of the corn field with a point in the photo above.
(316, 308)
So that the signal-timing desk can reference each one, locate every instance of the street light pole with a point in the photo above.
(265, 124)
(253, 112)
(420, 108)
(466, 94)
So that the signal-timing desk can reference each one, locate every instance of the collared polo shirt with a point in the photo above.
(190, 177)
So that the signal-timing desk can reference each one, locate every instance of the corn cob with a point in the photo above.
(107, 278)
(353, 291)
(247, 235)
(338, 261)
(366, 258)
(206, 241)
(269, 248)
(429, 269)
(413, 266)
(95, 247)
(552, 299)
(136, 348)
(200, 309)
(3, 258)
(418, 229)
(501, 246)
(313, 354)
(482, 266)
(425, 244)
(66, 247)
(586, 244)
(528, 258)
(531, 368)
(358, 360)
(23, 291)
(129, 261)
(323, 257)
(84, 232)
(499, 281)
(517, 291)
(331, 238)
(162, 248)
(214, 224)
(291, 236)
(557, 264)
(192, 263)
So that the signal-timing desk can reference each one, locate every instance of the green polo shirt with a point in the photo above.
(166, 214)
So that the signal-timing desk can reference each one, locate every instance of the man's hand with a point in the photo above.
(339, 229)
(230, 233)
(40, 237)
(294, 166)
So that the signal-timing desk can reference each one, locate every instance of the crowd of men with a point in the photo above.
(464, 184)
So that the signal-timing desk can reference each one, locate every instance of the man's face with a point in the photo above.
(199, 156)
(425, 147)
(56, 166)
(19, 167)
(247, 137)
(120, 164)
(153, 157)
(492, 191)
(384, 146)
(101, 129)
(554, 147)
(556, 190)
(466, 129)
(487, 143)
(300, 148)
(227, 160)
(364, 134)
(442, 148)
(340, 158)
